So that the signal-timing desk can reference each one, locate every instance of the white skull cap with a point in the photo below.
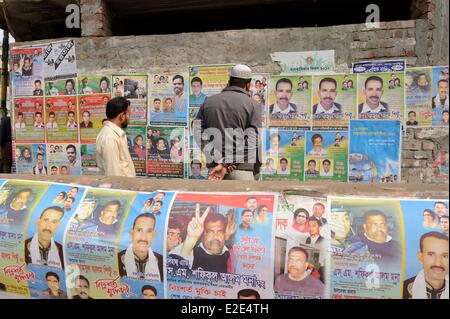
(241, 71)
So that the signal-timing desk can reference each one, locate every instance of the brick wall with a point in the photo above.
(425, 155)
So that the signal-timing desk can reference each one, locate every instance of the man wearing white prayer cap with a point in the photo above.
(231, 114)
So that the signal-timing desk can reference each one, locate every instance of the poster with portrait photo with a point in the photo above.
(57, 87)
(374, 151)
(439, 101)
(207, 80)
(418, 91)
(333, 101)
(168, 98)
(367, 248)
(90, 245)
(141, 246)
(326, 155)
(197, 165)
(45, 233)
(227, 246)
(65, 157)
(381, 96)
(259, 89)
(426, 249)
(24, 158)
(17, 201)
(290, 102)
(27, 74)
(91, 112)
(166, 151)
(94, 84)
(137, 142)
(301, 247)
(134, 88)
(88, 159)
(283, 155)
(29, 115)
(61, 119)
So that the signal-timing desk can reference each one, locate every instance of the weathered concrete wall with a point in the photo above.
(253, 47)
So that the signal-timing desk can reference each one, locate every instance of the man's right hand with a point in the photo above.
(195, 226)
(194, 232)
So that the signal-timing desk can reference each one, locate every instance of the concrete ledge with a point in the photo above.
(315, 189)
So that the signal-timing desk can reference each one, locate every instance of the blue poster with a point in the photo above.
(141, 247)
(374, 153)
(379, 66)
(44, 240)
(439, 101)
(426, 249)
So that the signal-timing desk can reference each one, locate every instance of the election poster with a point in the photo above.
(166, 151)
(137, 141)
(17, 201)
(230, 253)
(168, 98)
(58, 87)
(306, 62)
(290, 102)
(29, 120)
(207, 80)
(90, 245)
(439, 102)
(379, 66)
(374, 151)
(88, 159)
(381, 96)
(31, 159)
(259, 89)
(334, 101)
(142, 246)
(301, 247)
(197, 165)
(48, 61)
(44, 255)
(65, 59)
(134, 88)
(418, 91)
(27, 71)
(426, 249)
(91, 112)
(367, 248)
(64, 158)
(61, 119)
(23, 155)
(94, 84)
(326, 156)
(283, 155)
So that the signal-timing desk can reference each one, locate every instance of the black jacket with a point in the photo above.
(28, 253)
(233, 108)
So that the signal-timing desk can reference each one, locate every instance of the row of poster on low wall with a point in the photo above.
(71, 241)
(58, 114)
